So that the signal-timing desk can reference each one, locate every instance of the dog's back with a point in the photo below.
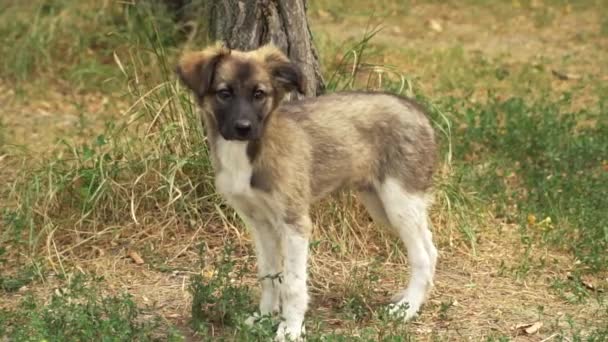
(358, 138)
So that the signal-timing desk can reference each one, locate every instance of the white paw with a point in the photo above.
(292, 333)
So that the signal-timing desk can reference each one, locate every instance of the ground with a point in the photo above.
(502, 81)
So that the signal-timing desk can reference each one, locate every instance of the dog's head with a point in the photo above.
(239, 89)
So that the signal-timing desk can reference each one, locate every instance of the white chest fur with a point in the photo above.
(233, 182)
(233, 178)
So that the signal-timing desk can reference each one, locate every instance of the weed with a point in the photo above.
(13, 283)
(80, 312)
(539, 159)
(444, 307)
(62, 35)
(604, 27)
(218, 295)
(544, 17)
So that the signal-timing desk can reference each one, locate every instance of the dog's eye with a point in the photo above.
(259, 94)
(224, 94)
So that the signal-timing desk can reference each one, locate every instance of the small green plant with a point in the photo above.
(604, 27)
(80, 312)
(444, 307)
(218, 294)
(13, 283)
(359, 292)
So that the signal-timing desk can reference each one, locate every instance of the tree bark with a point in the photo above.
(248, 24)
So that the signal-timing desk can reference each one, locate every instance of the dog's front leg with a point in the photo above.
(267, 247)
(294, 294)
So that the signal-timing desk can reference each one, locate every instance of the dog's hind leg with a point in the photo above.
(407, 214)
(374, 206)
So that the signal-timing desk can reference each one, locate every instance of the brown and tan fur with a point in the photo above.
(381, 145)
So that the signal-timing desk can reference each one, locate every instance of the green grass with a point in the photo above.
(219, 299)
(535, 156)
(77, 43)
(222, 302)
(80, 312)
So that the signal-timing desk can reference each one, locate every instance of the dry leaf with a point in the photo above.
(589, 285)
(531, 219)
(323, 14)
(536, 4)
(534, 328)
(529, 328)
(592, 284)
(208, 272)
(135, 257)
(435, 25)
(565, 76)
(396, 30)
(100, 252)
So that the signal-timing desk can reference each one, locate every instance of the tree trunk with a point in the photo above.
(248, 24)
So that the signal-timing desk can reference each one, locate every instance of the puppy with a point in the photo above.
(272, 160)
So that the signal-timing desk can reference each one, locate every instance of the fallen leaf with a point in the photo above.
(534, 328)
(396, 30)
(592, 284)
(589, 285)
(531, 219)
(100, 252)
(565, 76)
(323, 14)
(529, 328)
(135, 257)
(435, 25)
(208, 273)
(536, 4)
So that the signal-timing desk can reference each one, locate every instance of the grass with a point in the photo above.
(546, 165)
(518, 203)
(80, 312)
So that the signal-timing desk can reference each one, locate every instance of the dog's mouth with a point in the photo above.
(236, 135)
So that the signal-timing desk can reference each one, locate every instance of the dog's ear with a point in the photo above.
(285, 74)
(196, 69)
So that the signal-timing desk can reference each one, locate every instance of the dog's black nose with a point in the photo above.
(242, 127)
